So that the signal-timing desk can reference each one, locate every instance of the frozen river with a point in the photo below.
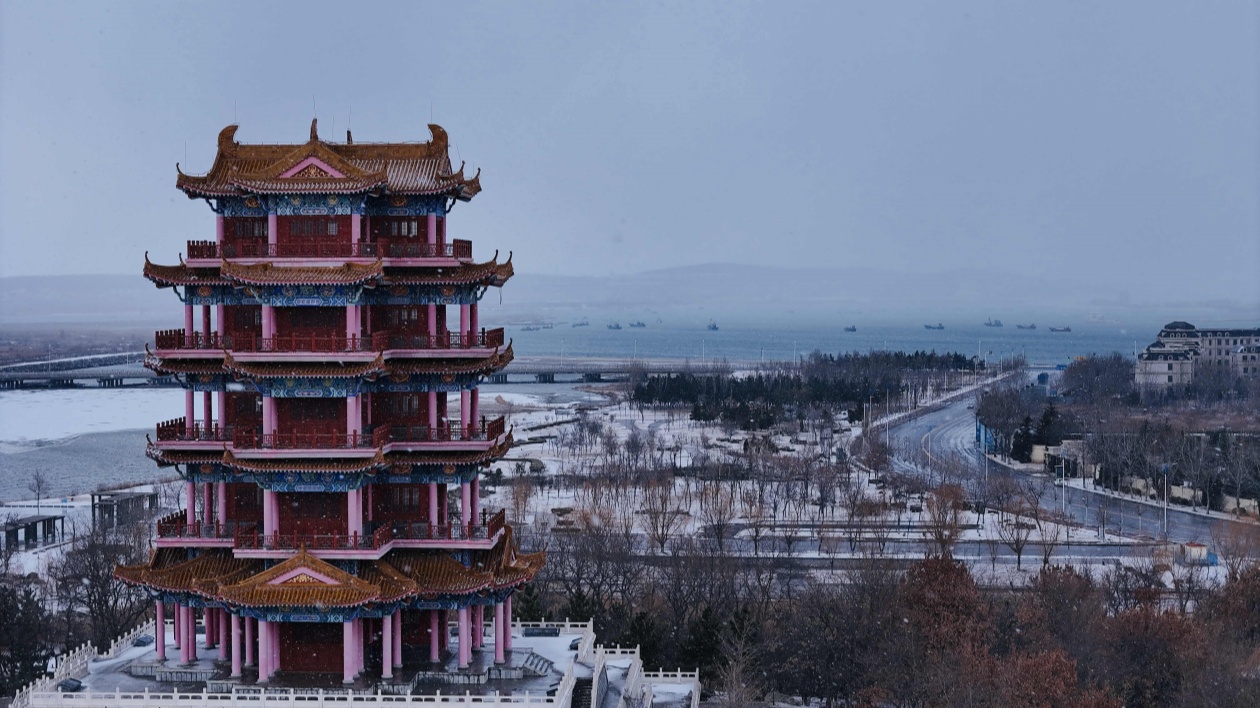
(84, 439)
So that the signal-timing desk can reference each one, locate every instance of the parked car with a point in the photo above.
(69, 685)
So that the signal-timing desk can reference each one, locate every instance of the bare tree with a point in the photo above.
(1015, 532)
(39, 487)
(717, 509)
(945, 509)
(660, 517)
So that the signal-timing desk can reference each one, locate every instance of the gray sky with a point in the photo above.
(1114, 140)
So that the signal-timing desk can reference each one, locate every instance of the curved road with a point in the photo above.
(951, 431)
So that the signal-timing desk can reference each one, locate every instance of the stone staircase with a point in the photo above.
(582, 693)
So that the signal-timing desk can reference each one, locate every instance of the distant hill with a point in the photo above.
(753, 292)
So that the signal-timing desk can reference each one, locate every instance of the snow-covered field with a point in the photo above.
(31, 418)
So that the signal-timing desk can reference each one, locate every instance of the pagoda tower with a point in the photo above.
(331, 437)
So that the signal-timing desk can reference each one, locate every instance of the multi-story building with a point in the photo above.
(1180, 348)
(331, 437)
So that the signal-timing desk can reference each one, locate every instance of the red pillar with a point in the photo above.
(159, 631)
(264, 651)
(499, 655)
(397, 638)
(465, 638)
(190, 491)
(236, 646)
(347, 652)
(222, 634)
(249, 641)
(435, 637)
(387, 647)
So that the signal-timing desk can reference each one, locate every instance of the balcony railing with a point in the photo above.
(177, 430)
(382, 248)
(301, 440)
(178, 339)
(485, 339)
(254, 540)
(485, 430)
(180, 529)
(289, 343)
(327, 343)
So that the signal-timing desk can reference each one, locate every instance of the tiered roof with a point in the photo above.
(306, 581)
(319, 167)
(490, 273)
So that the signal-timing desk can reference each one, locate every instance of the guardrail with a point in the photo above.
(380, 248)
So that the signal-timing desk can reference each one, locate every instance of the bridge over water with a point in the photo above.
(127, 369)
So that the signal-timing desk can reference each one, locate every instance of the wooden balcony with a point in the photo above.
(300, 439)
(177, 430)
(389, 249)
(486, 429)
(382, 535)
(330, 343)
(179, 528)
(178, 339)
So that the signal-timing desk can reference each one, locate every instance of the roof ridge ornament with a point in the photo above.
(314, 129)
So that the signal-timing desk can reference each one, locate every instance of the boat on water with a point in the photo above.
(1027, 326)
(992, 323)
(938, 325)
(1060, 329)
(712, 326)
(581, 323)
(614, 325)
(638, 323)
(851, 328)
(530, 328)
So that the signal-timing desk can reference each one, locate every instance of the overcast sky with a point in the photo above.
(1111, 141)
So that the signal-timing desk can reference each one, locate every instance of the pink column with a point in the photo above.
(275, 647)
(218, 228)
(465, 504)
(465, 639)
(356, 228)
(249, 641)
(352, 323)
(159, 631)
(175, 622)
(433, 411)
(218, 321)
(181, 639)
(479, 626)
(188, 325)
(476, 497)
(209, 623)
(264, 651)
(222, 634)
(433, 503)
(354, 416)
(387, 647)
(236, 646)
(465, 420)
(430, 228)
(507, 623)
(354, 513)
(221, 497)
(205, 326)
(207, 510)
(192, 634)
(347, 652)
(444, 516)
(472, 318)
(499, 656)
(269, 415)
(207, 409)
(368, 503)
(190, 491)
(221, 406)
(269, 512)
(474, 406)
(466, 340)
(435, 637)
(190, 411)
(268, 321)
(397, 638)
(273, 229)
(432, 317)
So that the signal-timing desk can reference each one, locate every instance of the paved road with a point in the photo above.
(951, 431)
